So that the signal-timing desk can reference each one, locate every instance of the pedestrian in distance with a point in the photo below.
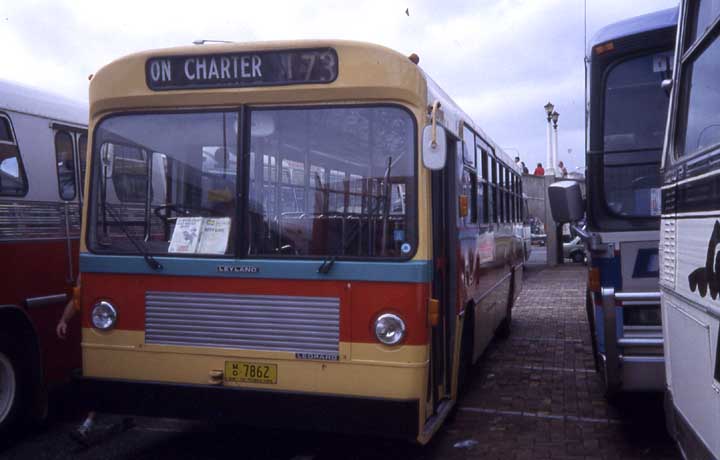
(525, 169)
(539, 170)
(562, 170)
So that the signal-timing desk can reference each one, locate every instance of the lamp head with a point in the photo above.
(549, 107)
(555, 117)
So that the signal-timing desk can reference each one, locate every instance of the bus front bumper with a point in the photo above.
(266, 408)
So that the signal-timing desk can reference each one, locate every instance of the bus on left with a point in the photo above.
(42, 164)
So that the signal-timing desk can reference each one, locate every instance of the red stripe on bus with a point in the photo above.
(360, 302)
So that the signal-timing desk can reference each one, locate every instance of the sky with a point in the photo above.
(500, 60)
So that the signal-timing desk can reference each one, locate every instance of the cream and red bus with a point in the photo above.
(303, 233)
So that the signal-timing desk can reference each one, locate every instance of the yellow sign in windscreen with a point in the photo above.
(250, 372)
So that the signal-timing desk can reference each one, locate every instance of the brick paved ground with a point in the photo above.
(536, 395)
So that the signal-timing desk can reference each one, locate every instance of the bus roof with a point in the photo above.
(20, 98)
(366, 71)
(652, 21)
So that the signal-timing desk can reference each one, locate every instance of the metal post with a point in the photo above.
(551, 243)
(549, 171)
(612, 358)
(555, 150)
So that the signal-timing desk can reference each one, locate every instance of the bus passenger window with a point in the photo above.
(12, 174)
(494, 206)
(65, 165)
(470, 191)
(699, 120)
(485, 188)
(82, 154)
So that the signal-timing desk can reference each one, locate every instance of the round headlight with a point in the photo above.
(103, 315)
(389, 329)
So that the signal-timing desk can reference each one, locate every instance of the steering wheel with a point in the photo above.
(163, 211)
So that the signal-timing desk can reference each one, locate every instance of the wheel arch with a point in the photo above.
(16, 324)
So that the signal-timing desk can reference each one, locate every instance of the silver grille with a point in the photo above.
(22, 220)
(667, 254)
(258, 322)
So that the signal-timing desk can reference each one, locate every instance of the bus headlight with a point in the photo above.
(389, 329)
(103, 315)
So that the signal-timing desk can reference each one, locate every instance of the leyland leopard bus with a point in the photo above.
(690, 233)
(627, 108)
(43, 140)
(304, 233)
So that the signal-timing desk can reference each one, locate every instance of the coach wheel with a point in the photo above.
(9, 388)
(578, 257)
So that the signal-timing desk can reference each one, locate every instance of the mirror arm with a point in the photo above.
(593, 240)
(436, 105)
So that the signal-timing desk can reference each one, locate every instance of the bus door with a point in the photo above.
(444, 289)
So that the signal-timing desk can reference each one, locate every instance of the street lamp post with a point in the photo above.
(549, 170)
(555, 117)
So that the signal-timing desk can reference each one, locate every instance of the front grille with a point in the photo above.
(257, 322)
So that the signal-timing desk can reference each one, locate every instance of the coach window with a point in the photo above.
(12, 173)
(699, 120)
(65, 165)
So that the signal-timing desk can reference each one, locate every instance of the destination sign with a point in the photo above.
(237, 70)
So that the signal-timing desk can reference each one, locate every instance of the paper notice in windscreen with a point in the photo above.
(186, 235)
(215, 235)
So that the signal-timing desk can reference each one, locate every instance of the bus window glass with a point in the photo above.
(82, 154)
(470, 191)
(468, 146)
(634, 126)
(6, 135)
(484, 189)
(166, 182)
(373, 147)
(699, 121)
(12, 176)
(704, 14)
(65, 165)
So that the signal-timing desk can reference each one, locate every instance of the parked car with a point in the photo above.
(574, 249)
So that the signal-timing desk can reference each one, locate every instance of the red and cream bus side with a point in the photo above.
(42, 154)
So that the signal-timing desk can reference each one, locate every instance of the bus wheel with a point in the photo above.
(578, 257)
(10, 387)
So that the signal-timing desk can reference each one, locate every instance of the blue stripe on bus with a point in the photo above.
(409, 271)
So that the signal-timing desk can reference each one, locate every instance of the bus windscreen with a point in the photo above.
(634, 129)
(313, 182)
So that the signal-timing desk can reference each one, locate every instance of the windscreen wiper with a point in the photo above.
(149, 259)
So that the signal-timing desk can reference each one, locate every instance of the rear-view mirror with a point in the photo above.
(434, 148)
(566, 202)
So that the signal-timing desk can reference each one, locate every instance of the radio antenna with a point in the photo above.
(202, 42)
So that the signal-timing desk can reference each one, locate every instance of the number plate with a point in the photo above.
(250, 372)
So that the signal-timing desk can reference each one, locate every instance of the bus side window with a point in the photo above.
(485, 188)
(82, 155)
(470, 187)
(65, 165)
(494, 207)
(12, 174)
